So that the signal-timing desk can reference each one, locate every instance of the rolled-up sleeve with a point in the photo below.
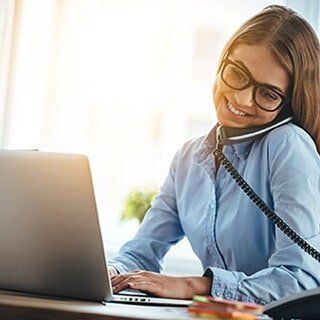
(159, 230)
(295, 188)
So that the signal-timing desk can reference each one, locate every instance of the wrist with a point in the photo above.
(198, 285)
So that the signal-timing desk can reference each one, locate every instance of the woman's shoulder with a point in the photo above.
(289, 133)
(191, 151)
(290, 139)
(184, 156)
(289, 130)
(196, 146)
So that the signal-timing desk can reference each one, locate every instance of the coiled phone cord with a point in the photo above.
(282, 225)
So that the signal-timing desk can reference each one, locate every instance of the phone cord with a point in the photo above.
(282, 225)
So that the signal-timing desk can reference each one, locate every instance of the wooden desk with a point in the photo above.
(23, 307)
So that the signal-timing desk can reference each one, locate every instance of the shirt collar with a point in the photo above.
(208, 144)
(242, 149)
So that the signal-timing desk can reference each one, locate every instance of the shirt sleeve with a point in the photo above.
(295, 187)
(112, 271)
(159, 230)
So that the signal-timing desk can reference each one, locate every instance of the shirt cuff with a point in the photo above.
(112, 271)
(226, 285)
(121, 267)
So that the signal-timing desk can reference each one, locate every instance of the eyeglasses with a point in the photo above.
(265, 96)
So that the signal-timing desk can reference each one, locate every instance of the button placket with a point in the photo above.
(230, 154)
(212, 244)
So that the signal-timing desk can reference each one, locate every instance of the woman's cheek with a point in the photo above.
(217, 94)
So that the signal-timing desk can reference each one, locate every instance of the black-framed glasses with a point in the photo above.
(265, 96)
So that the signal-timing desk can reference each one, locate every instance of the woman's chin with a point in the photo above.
(224, 121)
(226, 118)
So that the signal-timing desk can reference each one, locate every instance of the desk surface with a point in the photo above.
(14, 306)
(18, 306)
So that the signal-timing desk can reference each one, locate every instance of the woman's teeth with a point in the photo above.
(235, 111)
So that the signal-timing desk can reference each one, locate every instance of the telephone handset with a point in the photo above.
(304, 304)
(230, 135)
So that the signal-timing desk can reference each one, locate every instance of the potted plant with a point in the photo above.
(137, 203)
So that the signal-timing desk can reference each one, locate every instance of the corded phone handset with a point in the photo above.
(305, 305)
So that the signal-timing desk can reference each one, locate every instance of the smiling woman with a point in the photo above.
(127, 81)
(268, 71)
(253, 97)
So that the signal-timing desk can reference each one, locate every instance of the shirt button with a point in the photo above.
(219, 293)
(229, 149)
(228, 295)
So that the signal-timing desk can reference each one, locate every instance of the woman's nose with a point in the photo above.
(244, 97)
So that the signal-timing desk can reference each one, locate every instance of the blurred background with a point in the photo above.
(124, 81)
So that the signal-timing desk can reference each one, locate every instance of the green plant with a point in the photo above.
(137, 203)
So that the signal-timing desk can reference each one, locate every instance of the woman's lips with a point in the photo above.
(236, 111)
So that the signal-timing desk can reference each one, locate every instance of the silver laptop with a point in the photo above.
(50, 239)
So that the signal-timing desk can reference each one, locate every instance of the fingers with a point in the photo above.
(154, 283)
(121, 277)
(123, 283)
(147, 286)
(117, 279)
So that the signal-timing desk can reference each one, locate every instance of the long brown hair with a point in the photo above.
(296, 46)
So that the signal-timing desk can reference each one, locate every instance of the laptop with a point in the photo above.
(50, 239)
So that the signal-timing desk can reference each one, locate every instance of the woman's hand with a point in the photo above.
(161, 285)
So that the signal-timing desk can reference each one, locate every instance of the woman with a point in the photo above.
(269, 67)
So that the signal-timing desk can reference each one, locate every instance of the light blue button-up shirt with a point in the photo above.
(246, 256)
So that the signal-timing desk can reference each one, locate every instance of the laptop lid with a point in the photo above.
(50, 240)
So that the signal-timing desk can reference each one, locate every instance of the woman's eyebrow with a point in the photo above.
(243, 66)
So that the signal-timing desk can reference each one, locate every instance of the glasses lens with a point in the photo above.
(234, 77)
(267, 98)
